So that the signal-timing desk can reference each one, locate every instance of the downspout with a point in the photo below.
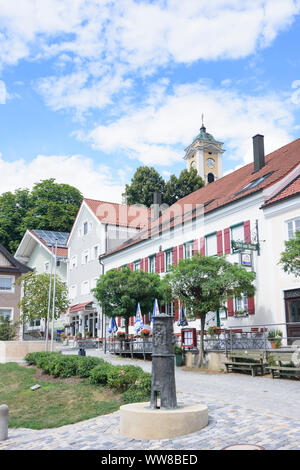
(103, 325)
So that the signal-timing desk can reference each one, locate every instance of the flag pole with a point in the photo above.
(49, 300)
(53, 300)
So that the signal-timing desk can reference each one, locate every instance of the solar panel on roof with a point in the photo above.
(50, 237)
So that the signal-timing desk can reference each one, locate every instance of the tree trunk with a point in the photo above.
(126, 326)
(201, 351)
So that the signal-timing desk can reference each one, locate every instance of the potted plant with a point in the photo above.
(241, 313)
(275, 338)
(145, 333)
(121, 335)
(178, 355)
(214, 330)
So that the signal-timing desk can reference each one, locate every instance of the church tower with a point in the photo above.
(205, 154)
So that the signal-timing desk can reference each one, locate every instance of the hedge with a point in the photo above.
(131, 381)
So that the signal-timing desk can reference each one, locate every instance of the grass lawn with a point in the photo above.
(56, 403)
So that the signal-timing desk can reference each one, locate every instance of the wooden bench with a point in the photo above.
(280, 370)
(253, 361)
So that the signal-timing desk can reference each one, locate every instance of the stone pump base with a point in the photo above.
(139, 421)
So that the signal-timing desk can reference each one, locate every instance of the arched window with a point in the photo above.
(210, 178)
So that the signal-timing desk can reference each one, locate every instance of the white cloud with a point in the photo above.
(94, 181)
(295, 96)
(159, 132)
(103, 42)
(3, 93)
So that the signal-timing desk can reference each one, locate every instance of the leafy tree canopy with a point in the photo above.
(146, 180)
(34, 303)
(119, 291)
(290, 258)
(204, 283)
(177, 188)
(49, 206)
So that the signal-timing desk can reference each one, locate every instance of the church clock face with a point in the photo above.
(210, 162)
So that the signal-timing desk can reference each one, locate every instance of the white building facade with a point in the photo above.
(229, 209)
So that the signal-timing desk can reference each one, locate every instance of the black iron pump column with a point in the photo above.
(163, 367)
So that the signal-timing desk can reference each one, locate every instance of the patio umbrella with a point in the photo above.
(112, 327)
(182, 318)
(138, 323)
(155, 311)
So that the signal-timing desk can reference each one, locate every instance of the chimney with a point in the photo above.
(258, 152)
(156, 204)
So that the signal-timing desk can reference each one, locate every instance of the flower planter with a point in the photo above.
(178, 360)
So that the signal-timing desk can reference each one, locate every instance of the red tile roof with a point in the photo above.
(78, 307)
(229, 188)
(291, 190)
(119, 214)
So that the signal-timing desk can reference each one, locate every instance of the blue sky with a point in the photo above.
(92, 89)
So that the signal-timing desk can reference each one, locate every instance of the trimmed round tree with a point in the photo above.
(204, 283)
(119, 291)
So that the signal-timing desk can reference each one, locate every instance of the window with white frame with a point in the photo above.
(241, 305)
(7, 284)
(152, 265)
(169, 259)
(36, 323)
(73, 263)
(137, 265)
(6, 314)
(211, 245)
(73, 291)
(47, 267)
(85, 228)
(188, 250)
(85, 287)
(94, 283)
(96, 252)
(292, 226)
(237, 233)
(85, 257)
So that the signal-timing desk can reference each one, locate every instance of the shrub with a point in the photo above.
(122, 377)
(64, 367)
(99, 374)
(86, 364)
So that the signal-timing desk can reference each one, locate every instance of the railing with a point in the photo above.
(238, 337)
(130, 347)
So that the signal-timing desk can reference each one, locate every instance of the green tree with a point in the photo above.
(145, 181)
(290, 258)
(34, 303)
(49, 206)
(53, 206)
(13, 208)
(119, 291)
(177, 188)
(204, 283)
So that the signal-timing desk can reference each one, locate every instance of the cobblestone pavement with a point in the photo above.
(242, 409)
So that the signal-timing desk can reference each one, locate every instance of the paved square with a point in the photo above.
(242, 410)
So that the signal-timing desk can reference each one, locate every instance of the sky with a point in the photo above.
(92, 89)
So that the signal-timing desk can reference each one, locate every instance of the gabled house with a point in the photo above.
(10, 293)
(37, 251)
(227, 216)
(99, 226)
